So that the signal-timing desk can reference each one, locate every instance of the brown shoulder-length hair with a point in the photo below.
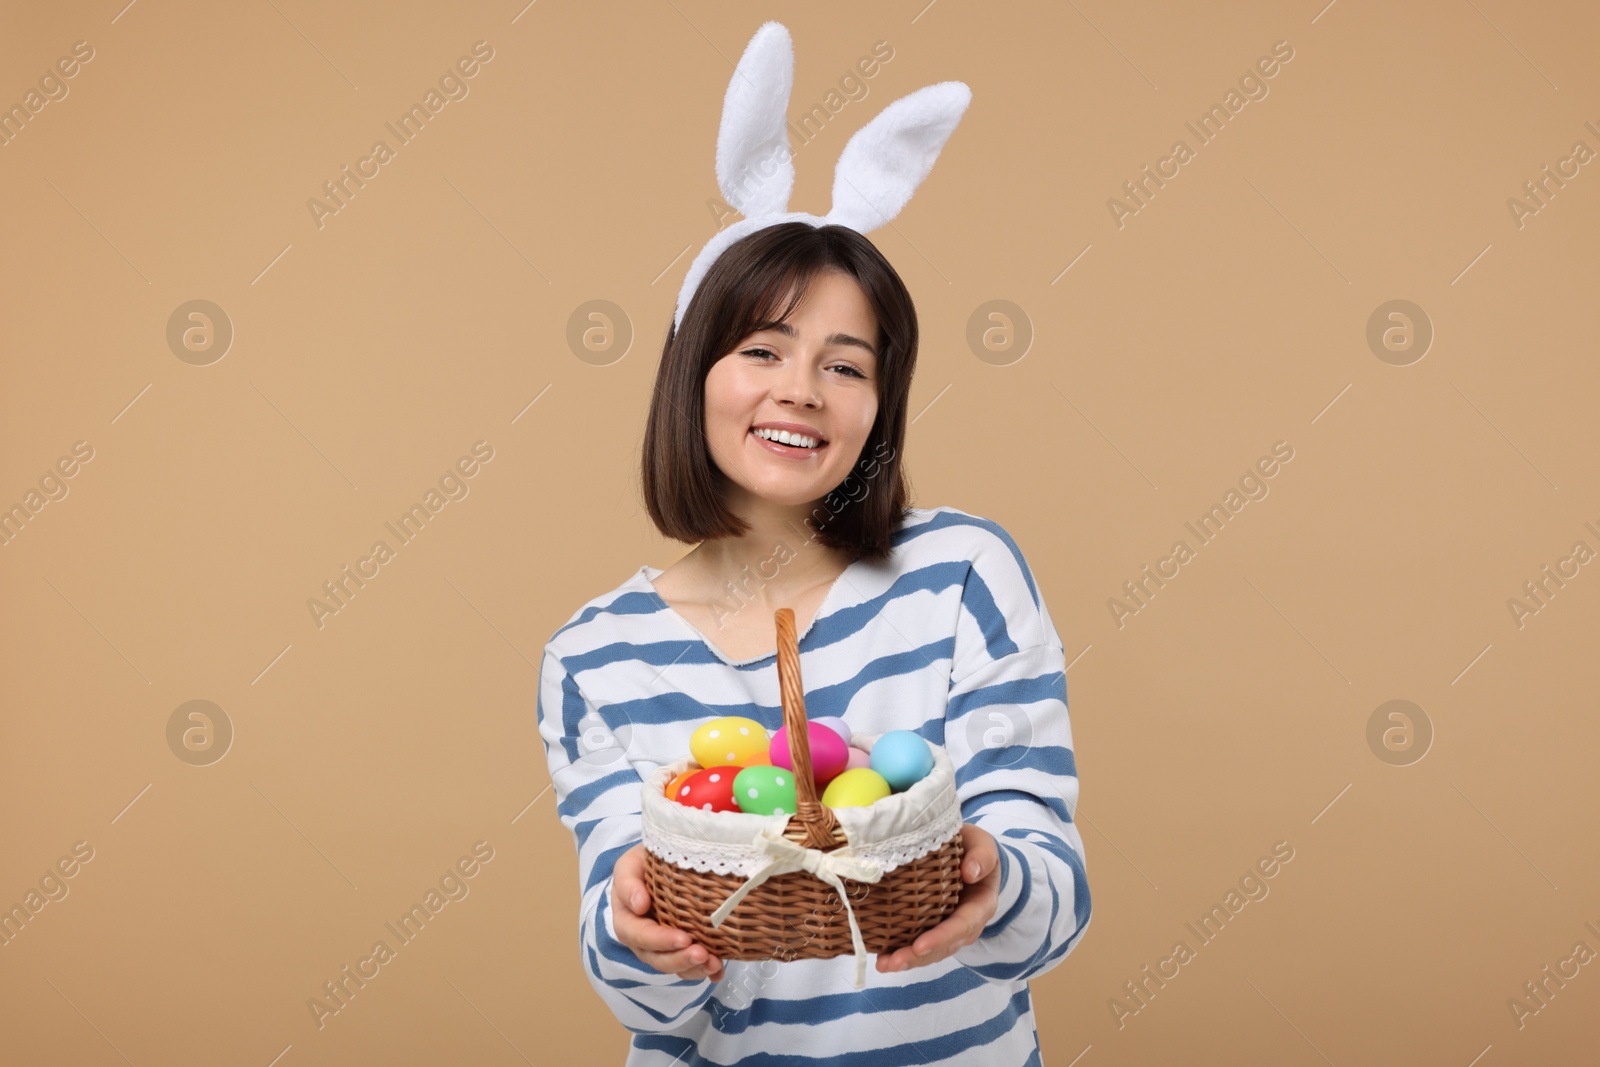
(741, 294)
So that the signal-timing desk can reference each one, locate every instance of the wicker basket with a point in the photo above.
(829, 906)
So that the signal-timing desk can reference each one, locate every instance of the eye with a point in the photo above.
(759, 352)
(851, 371)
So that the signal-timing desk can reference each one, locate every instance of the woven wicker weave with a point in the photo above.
(796, 915)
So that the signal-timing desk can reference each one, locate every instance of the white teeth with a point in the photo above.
(787, 438)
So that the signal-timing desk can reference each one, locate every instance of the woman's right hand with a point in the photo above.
(662, 947)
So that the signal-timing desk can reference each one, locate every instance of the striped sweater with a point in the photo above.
(951, 638)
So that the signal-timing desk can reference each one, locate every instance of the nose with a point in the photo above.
(795, 385)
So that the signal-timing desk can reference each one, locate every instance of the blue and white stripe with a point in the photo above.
(951, 638)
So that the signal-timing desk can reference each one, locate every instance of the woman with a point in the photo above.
(774, 443)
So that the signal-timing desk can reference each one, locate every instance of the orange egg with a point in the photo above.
(760, 759)
(677, 783)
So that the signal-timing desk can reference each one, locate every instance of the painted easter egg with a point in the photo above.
(858, 758)
(836, 724)
(675, 786)
(710, 789)
(731, 740)
(855, 788)
(765, 790)
(903, 758)
(828, 755)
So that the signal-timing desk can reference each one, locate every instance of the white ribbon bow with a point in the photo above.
(785, 856)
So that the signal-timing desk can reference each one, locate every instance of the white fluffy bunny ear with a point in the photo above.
(879, 169)
(882, 165)
(755, 168)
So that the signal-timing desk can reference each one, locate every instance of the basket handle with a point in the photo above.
(817, 820)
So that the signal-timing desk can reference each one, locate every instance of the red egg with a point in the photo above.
(829, 753)
(710, 789)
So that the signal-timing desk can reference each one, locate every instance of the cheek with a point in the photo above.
(722, 398)
(865, 416)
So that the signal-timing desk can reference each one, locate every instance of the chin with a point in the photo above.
(789, 498)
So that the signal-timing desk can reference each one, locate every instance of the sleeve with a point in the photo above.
(597, 794)
(1009, 737)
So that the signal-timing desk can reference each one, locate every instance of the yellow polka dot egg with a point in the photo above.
(732, 740)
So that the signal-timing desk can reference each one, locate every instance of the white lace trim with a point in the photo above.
(745, 860)
(890, 833)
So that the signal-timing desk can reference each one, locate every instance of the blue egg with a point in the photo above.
(902, 757)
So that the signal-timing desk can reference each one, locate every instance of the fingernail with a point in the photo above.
(972, 869)
(923, 951)
(637, 900)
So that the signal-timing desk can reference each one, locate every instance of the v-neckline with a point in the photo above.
(647, 573)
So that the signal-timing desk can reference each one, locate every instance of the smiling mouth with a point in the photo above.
(775, 443)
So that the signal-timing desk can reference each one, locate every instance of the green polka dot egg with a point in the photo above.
(765, 790)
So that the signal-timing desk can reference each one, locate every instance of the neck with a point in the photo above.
(778, 550)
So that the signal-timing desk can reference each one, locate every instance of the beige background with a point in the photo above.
(371, 753)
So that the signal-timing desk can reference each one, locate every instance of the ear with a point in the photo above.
(755, 169)
(882, 165)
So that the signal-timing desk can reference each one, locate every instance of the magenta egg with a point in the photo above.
(829, 753)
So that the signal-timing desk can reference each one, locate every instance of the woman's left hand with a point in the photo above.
(980, 869)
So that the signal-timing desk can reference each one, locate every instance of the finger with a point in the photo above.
(966, 921)
(639, 933)
(939, 941)
(677, 962)
(705, 970)
(982, 855)
(898, 960)
(978, 900)
(627, 880)
(959, 928)
(903, 960)
(631, 894)
(907, 956)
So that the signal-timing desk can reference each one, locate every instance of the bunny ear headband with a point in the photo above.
(879, 169)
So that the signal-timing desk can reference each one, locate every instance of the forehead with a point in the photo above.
(833, 305)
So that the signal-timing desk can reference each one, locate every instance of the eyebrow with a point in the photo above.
(832, 339)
